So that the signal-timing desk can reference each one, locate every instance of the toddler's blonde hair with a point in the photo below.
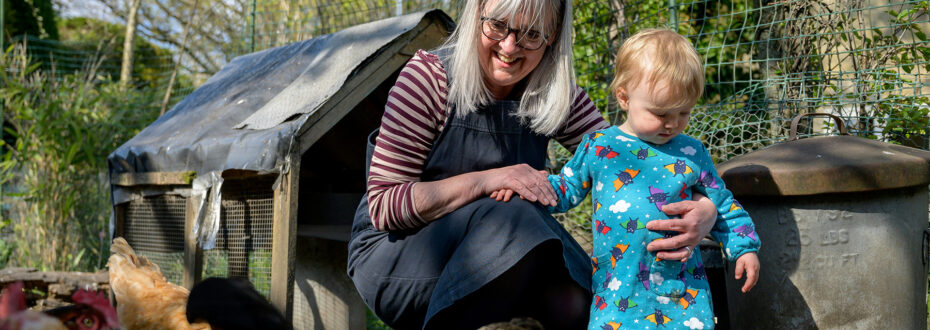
(654, 55)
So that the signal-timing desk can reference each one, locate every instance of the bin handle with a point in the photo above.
(925, 252)
(793, 132)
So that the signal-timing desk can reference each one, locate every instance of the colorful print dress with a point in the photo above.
(631, 180)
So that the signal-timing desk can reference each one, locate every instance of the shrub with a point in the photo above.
(58, 131)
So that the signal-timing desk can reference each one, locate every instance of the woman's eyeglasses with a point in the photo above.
(498, 30)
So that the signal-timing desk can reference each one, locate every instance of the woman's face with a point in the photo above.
(503, 62)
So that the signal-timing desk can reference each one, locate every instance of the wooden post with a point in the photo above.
(193, 254)
(119, 216)
(284, 235)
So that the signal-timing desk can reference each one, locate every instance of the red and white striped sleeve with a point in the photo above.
(584, 118)
(413, 116)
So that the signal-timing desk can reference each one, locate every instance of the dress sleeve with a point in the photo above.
(583, 119)
(573, 183)
(733, 228)
(413, 116)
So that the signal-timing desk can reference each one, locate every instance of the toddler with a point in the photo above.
(636, 168)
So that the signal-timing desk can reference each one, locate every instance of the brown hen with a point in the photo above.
(145, 300)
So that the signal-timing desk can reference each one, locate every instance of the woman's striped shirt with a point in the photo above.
(414, 116)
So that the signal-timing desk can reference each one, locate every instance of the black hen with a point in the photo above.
(232, 304)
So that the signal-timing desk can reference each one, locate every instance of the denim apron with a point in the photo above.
(408, 276)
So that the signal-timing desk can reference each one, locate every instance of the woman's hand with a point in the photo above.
(433, 199)
(521, 179)
(697, 218)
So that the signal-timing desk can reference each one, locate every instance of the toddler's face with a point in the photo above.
(649, 114)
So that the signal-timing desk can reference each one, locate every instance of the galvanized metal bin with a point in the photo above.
(842, 221)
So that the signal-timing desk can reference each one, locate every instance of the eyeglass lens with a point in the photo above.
(498, 30)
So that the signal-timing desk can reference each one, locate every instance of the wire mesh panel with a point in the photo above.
(154, 227)
(243, 244)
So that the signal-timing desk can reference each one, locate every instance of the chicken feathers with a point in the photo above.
(145, 299)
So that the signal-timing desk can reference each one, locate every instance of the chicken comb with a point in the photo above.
(98, 301)
(12, 300)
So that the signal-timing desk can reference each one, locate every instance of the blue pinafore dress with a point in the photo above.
(408, 276)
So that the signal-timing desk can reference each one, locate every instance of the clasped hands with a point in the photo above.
(697, 216)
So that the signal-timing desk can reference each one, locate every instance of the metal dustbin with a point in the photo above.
(842, 221)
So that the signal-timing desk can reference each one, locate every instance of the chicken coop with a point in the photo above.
(258, 172)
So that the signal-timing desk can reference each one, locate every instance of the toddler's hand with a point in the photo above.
(502, 195)
(748, 263)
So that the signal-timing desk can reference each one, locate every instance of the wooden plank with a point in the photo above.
(193, 254)
(75, 279)
(284, 237)
(339, 233)
(154, 178)
(119, 216)
(235, 174)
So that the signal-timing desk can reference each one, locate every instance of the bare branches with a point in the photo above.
(214, 34)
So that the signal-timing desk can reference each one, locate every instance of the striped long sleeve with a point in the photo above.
(414, 115)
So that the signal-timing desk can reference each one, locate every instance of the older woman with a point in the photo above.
(429, 249)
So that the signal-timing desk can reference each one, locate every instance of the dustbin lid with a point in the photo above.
(829, 164)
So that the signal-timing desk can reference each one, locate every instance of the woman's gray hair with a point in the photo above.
(550, 87)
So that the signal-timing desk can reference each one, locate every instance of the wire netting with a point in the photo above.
(151, 72)
(275, 23)
(243, 244)
(154, 228)
(767, 61)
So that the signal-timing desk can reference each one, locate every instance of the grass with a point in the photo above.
(373, 322)
(216, 264)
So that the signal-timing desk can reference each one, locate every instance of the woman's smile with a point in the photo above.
(506, 59)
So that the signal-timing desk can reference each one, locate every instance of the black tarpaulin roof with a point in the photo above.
(249, 115)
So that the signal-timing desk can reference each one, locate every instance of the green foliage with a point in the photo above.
(58, 133)
(906, 118)
(886, 94)
(906, 121)
(594, 51)
(82, 35)
(216, 264)
(372, 322)
(32, 17)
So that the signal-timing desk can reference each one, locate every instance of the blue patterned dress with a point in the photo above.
(631, 180)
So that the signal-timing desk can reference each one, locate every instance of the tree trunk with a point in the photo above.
(125, 74)
(177, 64)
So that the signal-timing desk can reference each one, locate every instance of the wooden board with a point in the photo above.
(284, 230)
(193, 254)
(153, 178)
(76, 279)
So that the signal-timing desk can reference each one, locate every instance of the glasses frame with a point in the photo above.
(518, 33)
